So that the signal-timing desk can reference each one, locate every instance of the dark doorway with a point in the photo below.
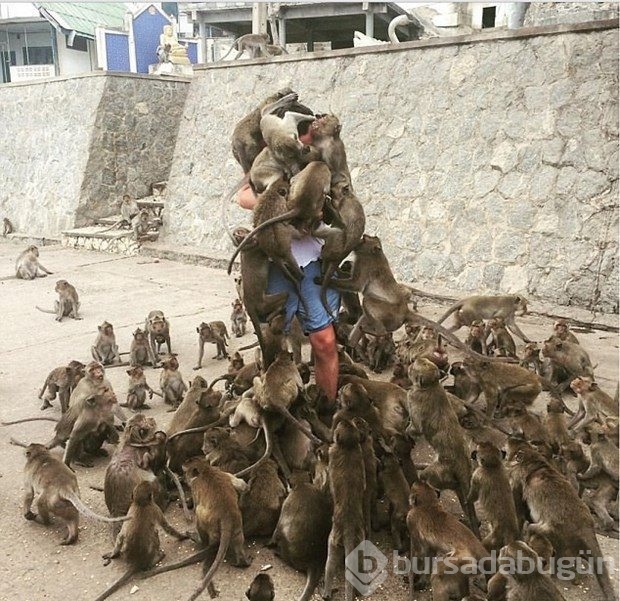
(488, 17)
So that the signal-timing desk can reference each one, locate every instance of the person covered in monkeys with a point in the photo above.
(318, 323)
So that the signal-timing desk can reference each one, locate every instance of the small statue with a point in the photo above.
(170, 50)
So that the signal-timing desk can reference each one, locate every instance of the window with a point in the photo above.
(488, 17)
(79, 43)
(38, 55)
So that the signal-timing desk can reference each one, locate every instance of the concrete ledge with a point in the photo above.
(472, 38)
(34, 239)
(192, 255)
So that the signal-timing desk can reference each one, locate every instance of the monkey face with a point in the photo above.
(171, 363)
(520, 305)
(95, 371)
(346, 434)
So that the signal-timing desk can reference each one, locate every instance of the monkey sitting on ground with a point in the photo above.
(68, 302)
(138, 540)
(474, 308)
(57, 489)
(594, 403)
(171, 382)
(238, 318)
(436, 533)
(561, 515)
(216, 333)
(568, 361)
(7, 227)
(105, 349)
(491, 489)
(139, 351)
(261, 589)
(61, 381)
(502, 343)
(522, 585)
(138, 387)
(476, 339)
(561, 329)
(28, 266)
(502, 383)
(141, 224)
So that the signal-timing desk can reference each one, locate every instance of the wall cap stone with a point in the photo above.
(491, 36)
(108, 74)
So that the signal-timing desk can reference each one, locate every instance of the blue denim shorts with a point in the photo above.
(317, 318)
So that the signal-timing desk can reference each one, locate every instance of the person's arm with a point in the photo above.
(246, 198)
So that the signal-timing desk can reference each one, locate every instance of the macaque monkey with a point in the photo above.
(254, 279)
(68, 302)
(141, 224)
(486, 307)
(594, 403)
(138, 387)
(432, 415)
(604, 457)
(502, 383)
(325, 130)
(139, 351)
(346, 473)
(129, 209)
(215, 332)
(105, 349)
(557, 430)
(238, 318)
(436, 533)
(247, 139)
(347, 221)
(261, 589)
(138, 540)
(567, 360)
(61, 381)
(171, 382)
(218, 521)
(157, 329)
(399, 377)
(561, 329)
(57, 490)
(502, 343)
(385, 302)
(28, 266)
(255, 44)
(491, 489)
(561, 515)
(8, 227)
(476, 339)
(522, 585)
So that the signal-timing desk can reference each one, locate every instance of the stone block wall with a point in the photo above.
(486, 164)
(72, 146)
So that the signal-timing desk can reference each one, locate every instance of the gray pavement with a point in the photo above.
(123, 290)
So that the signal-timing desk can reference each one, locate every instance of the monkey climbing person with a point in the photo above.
(316, 321)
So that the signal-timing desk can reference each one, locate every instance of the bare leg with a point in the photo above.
(323, 344)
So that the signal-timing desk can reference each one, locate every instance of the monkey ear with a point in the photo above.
(91, 401)
(593, 386)
(503, 452)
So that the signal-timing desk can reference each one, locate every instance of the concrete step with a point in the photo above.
(97, 231)
(193, 255)
(95, 237)
(108, 221)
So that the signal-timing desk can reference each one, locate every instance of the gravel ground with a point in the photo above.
(123, 290)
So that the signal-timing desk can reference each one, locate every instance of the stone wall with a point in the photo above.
(486, 164)
(554, 13)
(72, 146)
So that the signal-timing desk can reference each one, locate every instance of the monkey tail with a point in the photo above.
(455, 307)
(44, 387)
(188, 561)
(17, 443)
(45, 310)
(120, 582)
(225, 536)
(177, 483)
(233, 45)
(266, 454)
(249, 346)
(84, 510)
(284, 217)
(31, 419)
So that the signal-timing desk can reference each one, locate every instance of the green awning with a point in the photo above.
(81, 17)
